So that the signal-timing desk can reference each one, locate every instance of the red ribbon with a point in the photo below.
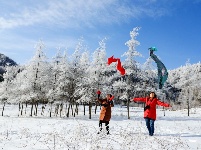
(111, 98)
(119, 66)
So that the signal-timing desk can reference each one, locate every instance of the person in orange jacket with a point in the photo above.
(105, 114)
(150, 110)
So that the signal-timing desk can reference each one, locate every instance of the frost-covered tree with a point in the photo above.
(59, 81)
(98, 66)
(64, 80)
(84, 83)
(76, 74)
(149, 74)
(55, 74)
(131, 65)
(75, 69)
(186, 76)
(100, 73)
(38, 75)
(10, 87)
(149, 68)
(64, 77)
(130, 62)
(8, 84)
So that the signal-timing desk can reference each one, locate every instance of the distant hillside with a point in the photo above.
(186, 76)
(5, 61)
(188, 79)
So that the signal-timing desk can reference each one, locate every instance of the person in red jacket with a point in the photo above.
(150, 110)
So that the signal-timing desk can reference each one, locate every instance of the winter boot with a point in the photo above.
(107, 128)
(100, 130)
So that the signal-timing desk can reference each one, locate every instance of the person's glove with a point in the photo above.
(98, 92)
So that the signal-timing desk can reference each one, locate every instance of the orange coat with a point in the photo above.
(151, 112)
(105, 114)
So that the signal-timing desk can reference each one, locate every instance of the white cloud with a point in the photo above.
(71, 13)
(24, 22)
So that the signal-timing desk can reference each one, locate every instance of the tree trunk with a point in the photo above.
(77, 105)
(22, 109)
(19, 107)
(51, 110)
(42, 112)
(68, 111)
(89, 110)
(163, 110)
(26, 108)
(96, 108)
(3, 108)
(188, 108)
(31, 109)
(66, 106)
(128, 108)
(72, 108)
(56, 110)
(61, 108)
(84, 108)
(36, 108)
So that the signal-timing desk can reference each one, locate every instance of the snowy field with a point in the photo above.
(174, 131)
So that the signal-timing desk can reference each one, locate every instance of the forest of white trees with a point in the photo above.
(74, 79)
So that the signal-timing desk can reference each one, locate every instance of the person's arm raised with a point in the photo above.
(139, 99)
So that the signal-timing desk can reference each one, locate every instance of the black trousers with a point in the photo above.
(106, 124)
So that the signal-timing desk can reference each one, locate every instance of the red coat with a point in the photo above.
(151, 112)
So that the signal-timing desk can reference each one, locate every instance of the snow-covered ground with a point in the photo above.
(174, 131)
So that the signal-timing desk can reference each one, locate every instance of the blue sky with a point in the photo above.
(173, 26)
